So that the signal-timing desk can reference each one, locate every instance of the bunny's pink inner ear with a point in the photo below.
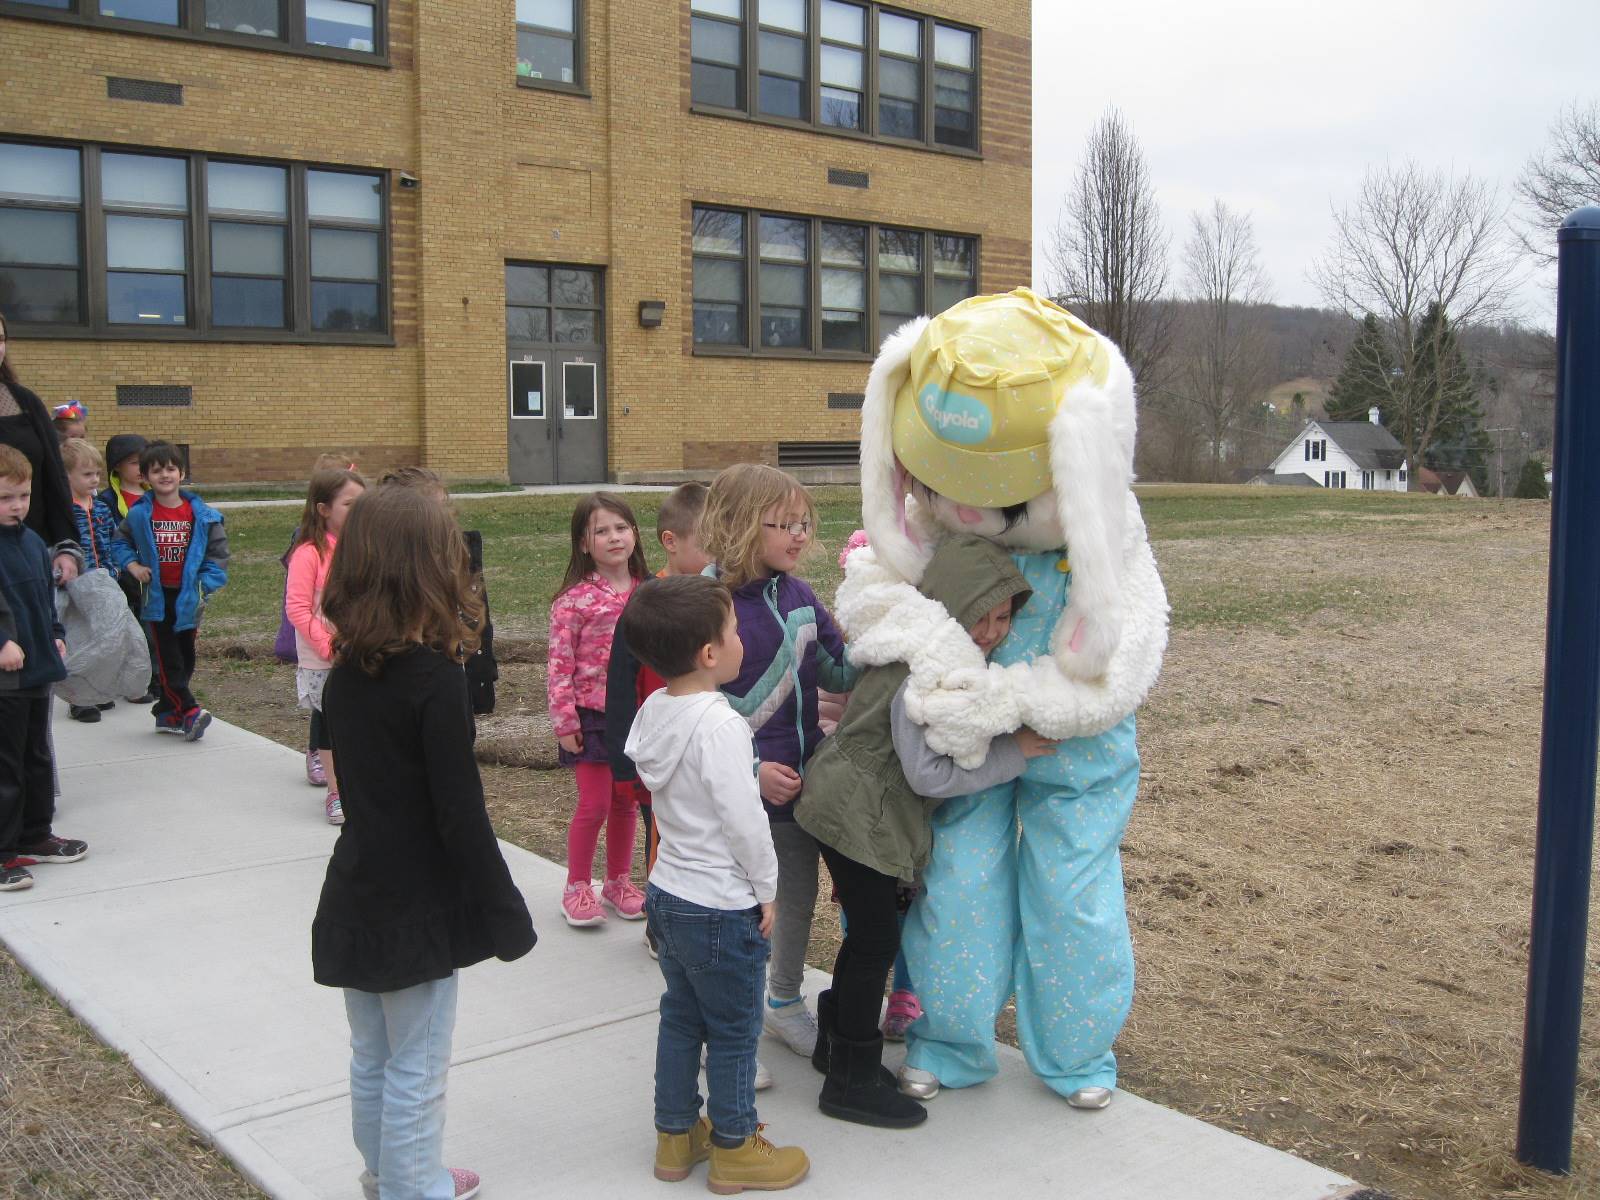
(902, 488)
(1076, 642)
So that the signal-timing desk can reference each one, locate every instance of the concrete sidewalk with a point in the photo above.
(183, 941)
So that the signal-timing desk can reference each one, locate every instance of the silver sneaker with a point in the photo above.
(793, 1025)
(1090, 1097)
(919, 1085)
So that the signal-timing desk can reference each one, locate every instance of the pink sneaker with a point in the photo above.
(624, 898)
(579, 906)
(903, 1009)
(332, 808)
(316, 776)
(467, 1182)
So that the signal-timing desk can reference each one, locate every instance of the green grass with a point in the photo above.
(1200, 511)
(228, 492)
(526, 547)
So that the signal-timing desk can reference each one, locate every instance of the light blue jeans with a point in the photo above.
(399, 1056)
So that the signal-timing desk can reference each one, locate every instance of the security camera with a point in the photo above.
(408, 180)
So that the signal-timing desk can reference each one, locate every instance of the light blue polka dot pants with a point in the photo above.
(1024, 896)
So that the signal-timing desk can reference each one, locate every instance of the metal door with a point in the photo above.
(530, 437)
(580, 424)
(556, 418)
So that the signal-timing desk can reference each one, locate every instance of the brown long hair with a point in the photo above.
(7, 375)
(730, 526)
(581, 563)
(326, 483)
(400, 576)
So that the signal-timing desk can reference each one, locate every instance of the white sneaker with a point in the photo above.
(763, 1076)
(793, 1025)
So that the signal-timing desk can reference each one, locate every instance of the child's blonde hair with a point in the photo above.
(730, 526)
(75, 453)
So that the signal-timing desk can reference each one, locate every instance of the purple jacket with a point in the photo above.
(791, 647)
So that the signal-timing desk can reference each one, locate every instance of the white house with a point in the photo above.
(1361, 455)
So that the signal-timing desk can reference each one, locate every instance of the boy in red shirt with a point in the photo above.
(173, 543)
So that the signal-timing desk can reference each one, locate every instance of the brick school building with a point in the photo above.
(543, 240)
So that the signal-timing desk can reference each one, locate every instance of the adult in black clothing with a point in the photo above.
(25, 425)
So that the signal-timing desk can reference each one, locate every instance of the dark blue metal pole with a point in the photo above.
(1571, 716)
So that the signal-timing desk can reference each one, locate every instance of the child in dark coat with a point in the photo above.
(417, 887)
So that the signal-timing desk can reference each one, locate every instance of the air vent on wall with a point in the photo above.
(147, 90)
(855, 179)
(146, 395)
(846, 399)
(819, 454)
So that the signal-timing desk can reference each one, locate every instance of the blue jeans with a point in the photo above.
(715, 962)
(399, 1054)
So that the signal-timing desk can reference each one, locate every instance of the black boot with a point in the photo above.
(819, 1056)
(86, 713)
(859, 1088)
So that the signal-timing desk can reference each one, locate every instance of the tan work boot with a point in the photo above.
(677, 1153)
(755, 1165)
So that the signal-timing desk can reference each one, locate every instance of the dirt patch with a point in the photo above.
(76, 1123)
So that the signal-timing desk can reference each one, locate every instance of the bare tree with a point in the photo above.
(1223, 365)
(1106, 259)
(1414, 241)
(1563, 176)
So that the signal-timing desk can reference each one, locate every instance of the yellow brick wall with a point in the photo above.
(507, 173)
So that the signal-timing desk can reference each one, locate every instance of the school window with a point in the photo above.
(793, 286)
(853, 68)
(352, 29)
(553, 305)
(550, 44)
(100, 240)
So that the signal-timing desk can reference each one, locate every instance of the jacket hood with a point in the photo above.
(664, 730)
(119, 447)
(969, 576)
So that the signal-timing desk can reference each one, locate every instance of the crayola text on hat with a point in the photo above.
(972, 419)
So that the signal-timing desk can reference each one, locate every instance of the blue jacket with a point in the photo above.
(28, 609)
(205, 563)
(95, 531)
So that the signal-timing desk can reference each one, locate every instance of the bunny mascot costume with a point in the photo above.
(1007, 417)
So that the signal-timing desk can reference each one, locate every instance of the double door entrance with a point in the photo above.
(556, 374)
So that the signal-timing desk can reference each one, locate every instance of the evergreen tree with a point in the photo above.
(1459, 442)
(1366, 379)
(1531, 484)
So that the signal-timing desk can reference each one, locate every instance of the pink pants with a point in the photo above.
(599, 803)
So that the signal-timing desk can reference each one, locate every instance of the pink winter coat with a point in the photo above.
(582, 622)
(302, 604)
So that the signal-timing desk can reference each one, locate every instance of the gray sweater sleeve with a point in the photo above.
(937, 776)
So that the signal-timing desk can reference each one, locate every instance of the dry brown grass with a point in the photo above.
(1328, 869)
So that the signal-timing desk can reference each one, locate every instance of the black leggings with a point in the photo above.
(871, 941)
(319, 739)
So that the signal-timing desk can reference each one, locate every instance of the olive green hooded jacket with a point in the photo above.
(857, 798)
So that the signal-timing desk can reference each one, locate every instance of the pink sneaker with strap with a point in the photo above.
(624, 898)
(903, 1010)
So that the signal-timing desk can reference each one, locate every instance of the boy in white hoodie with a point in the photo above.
(710, 898)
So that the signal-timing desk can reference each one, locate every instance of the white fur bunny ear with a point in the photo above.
(1091, 461)
(883, 493)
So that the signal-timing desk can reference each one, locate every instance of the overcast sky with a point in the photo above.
(1278, 107)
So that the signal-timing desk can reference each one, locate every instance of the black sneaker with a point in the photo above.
(14, 877)
(88, 714)
(52, 850)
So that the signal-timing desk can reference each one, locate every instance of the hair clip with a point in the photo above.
(72, 410)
